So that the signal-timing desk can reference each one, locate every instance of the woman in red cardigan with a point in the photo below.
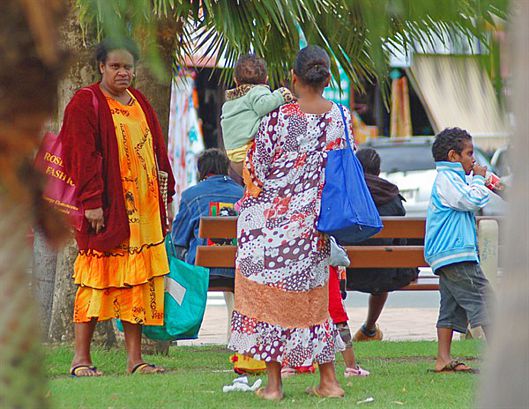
(113, 149)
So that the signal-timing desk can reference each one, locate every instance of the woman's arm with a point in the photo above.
(82, 159)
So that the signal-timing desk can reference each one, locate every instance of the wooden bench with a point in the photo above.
(360, 256)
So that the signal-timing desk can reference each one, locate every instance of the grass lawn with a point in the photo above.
(195, 377)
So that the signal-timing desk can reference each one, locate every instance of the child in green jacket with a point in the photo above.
(245, 105)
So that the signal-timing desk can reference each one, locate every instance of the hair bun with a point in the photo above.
(316, 74)
(312, 65)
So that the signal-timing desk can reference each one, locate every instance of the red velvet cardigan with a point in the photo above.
(91, 158)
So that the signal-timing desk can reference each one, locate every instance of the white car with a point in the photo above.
(409, 164)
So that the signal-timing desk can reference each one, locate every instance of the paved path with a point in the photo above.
(396, 323)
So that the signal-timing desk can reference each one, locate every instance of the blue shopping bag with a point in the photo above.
(186, 291)
(347, 210)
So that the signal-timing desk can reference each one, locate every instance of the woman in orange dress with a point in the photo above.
(113, 150)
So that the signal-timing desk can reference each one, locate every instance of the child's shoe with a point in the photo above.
(364, 335)
(358, 371)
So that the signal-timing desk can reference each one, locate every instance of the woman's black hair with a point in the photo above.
(449, 139)
(370, 160)
(111, 44)
(212, 162)
(312, 65)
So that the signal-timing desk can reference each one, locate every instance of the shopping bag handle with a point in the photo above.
(341, 107)
(169, 246)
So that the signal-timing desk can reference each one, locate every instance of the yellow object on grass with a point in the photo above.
(243, 364)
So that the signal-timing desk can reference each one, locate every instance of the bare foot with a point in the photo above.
(145, 368)
(334, 391)
(266, 394)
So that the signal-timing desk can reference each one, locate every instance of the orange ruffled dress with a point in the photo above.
(128, 282)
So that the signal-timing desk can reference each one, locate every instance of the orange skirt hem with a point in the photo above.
(141, 304)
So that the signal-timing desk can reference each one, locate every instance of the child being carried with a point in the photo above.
(246, 105)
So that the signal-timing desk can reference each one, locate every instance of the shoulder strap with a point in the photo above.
(341, 107)
(95, 101)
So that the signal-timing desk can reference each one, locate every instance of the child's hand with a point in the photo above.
(479, 170)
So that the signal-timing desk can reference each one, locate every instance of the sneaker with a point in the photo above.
(363, 335)
(358, 371)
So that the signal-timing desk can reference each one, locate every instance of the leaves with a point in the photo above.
(356, 32)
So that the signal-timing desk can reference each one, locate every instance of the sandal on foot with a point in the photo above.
(83, 370)
(364, 335)
(314, 391)
(288, 371)
(358, 371)
(455, 366)
(146, 369)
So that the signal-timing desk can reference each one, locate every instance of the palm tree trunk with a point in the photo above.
(505, 383)
(82, 72)
(158, 91)
(31, 65)
(43, 278)
(21, 372)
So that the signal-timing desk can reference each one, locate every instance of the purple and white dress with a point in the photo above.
(282, 267)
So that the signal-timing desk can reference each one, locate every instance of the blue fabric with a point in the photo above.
(451, 235)
(347, 211)
(194, 203)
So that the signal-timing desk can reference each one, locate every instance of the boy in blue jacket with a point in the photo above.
(450, 245)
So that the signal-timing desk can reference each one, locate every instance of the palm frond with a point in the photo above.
(356, 32)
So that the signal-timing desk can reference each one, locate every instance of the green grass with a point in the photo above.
(399, 378)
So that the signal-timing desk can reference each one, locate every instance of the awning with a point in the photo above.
(456, 91)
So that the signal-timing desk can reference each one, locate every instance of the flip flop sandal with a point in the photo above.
(452, 366)
(313, 391)
(286, 372)
(91, 371)
(358, 371)
(139, 368)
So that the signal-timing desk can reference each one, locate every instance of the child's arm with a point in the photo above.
(263, 101)
(455, 193)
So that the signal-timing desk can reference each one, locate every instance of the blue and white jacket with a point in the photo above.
(450, 221)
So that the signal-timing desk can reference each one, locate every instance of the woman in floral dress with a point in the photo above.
(282, 268)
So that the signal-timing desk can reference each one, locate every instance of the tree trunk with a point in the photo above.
(81, 73)
(158, 91)
(505, 383)
(21, 372)
(43, 279)
(31, 65)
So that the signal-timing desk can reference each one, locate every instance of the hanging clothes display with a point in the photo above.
(400, 109)
(185, 133)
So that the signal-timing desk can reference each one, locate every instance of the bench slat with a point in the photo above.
(216, 256)
(386, 256)
(213, 227)
(360, 256)
(411, 287)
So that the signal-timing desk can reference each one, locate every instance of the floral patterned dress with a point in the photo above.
(282, 267)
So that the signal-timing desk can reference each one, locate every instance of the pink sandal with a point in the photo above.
(288, 371)
(358, 371)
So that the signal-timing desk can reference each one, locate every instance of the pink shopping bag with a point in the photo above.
(59, 189)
